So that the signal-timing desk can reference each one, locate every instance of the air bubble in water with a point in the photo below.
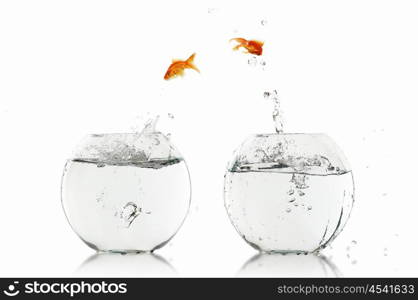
(299, 180)
(129, 213)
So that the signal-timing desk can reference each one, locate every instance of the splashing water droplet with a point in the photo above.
(309, 207)
(277, 115)
(255, 61)
(150, 125)
(288, 210)
(252, 61)
(170, 115)
(263, 22)
(292, 200)
(291, 192)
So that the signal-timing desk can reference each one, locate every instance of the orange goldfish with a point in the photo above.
(252, 46)
(177, 67)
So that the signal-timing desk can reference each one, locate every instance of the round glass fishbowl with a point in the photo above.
(289, 193)
(126, 192)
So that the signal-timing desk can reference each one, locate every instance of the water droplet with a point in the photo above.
(288, 210)
(170, 115)
(252, 61)
(301, 193)
(292, 200)
(354, 242)
(263, 22)
(309, 207)
(291, 192)
(101, 165)
(277, 116)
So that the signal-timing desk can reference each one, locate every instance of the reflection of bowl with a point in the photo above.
(278, 265)
(289, 192)
(126, 192)
(138, 265)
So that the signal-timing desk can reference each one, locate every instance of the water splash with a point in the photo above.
(150, 126)
(277, 115)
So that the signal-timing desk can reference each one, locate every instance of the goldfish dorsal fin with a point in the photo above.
(191, 58)
(190, 62)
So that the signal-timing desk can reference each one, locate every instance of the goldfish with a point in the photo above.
(177, 67)
(252, 46)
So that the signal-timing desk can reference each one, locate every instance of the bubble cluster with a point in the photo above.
(129, 213)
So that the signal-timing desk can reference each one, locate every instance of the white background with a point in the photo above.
(346, 68)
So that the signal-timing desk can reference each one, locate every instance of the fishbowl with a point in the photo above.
(126, 192)
(289, 193)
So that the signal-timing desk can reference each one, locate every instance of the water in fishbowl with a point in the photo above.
(288, 212)
(126, 192)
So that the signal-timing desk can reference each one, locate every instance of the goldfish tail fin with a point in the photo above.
(236, 47)
(238, 40)
(190, 62)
